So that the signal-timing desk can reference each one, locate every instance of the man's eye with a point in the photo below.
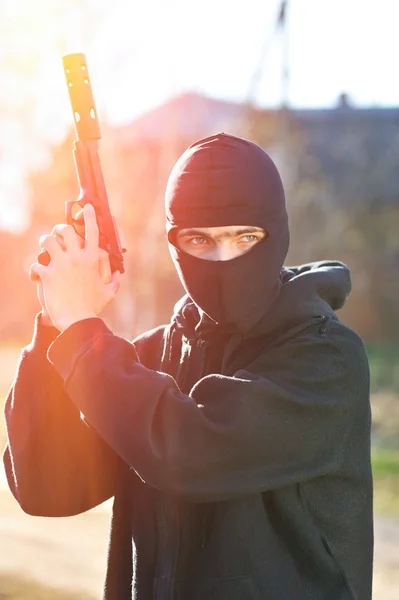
(249, 239)
(197, 241)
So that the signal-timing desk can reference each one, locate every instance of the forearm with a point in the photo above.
(171, 441)
(225, 439)
(56, 464)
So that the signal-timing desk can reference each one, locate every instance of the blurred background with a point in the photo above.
(314, 82)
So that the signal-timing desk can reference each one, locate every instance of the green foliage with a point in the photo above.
(16, 588)
(385, 463)
(384, 366)
(386, 481)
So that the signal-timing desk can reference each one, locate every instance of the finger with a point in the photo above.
(115, 282)
(79, 224)
(56, 235)
(80, 216)
(104, 268)
(111, 289)
(33, 273)
(57, 227)
(71, 240)
(41, 238)
(91, 228)
(36, 272)
(49, 243)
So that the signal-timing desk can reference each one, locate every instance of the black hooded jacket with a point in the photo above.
(254, 483)
(236, 440)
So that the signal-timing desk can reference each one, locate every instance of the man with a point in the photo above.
(236, 440)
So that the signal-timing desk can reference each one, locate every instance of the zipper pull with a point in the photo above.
(325, 325)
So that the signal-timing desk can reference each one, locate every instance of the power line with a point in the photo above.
(244, 117)
(258, 71)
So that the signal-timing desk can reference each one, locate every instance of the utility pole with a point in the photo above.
(286, 134)
(283, 25)
(250, 122)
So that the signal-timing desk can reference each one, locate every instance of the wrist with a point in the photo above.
(66, 322)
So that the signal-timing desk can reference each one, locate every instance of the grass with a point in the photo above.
(385, 432)
(385, 464)
(386, 481)
(17, 588)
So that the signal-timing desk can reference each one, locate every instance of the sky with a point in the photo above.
(142, 53)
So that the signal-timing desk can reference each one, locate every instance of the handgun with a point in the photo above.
(87, 163)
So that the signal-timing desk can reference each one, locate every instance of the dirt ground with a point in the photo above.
(70, 553)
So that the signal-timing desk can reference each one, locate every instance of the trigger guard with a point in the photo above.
(81, 201)
(68, 211)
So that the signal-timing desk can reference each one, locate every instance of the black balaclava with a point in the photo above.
(225, 180)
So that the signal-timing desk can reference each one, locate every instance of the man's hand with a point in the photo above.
(77, 284)
(57, 233)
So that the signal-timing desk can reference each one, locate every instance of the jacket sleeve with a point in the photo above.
(286, 418)
(56, 464)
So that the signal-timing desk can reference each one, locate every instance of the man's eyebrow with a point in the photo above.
(226, 234)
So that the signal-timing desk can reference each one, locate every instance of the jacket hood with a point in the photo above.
(307, 291)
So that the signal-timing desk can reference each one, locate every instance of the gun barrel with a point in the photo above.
(81, 95)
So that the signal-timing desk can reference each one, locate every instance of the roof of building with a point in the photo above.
(350, 145)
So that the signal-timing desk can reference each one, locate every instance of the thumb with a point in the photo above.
(35, 272)
(113, 286)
